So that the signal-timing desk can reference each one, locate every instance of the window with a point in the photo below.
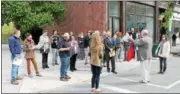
(114, 8)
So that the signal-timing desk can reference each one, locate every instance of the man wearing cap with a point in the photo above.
(144, 54)
(64, 53)
(15, 49)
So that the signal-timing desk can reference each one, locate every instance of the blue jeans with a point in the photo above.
(96, 71)
(118, 54)
(15, 68)
(54, 55)
(163, 64)
(64, 66)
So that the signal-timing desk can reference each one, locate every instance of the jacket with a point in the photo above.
(109, 44)
(14, 45)
(27, 48)
(165, 51)
(96, 54)
(44, 42)
(144, 48)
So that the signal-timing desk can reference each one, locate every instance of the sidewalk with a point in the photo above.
(50, 79)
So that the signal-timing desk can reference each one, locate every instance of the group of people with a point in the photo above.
(100, 48)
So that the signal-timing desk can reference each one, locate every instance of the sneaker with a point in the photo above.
(38, 74)
(19, 78)
(98, 91)
(114, 72)
(93, 90)
(67, 77)
(30, 76)
(63, 79)
(47, 67)
(56, 64)
(14, 82)
(160, 72)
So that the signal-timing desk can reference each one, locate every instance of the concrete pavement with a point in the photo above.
(50, 79)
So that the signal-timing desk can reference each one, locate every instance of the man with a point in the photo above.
(15, 49)
(54, 47)
(126, 44)
(174, 37)
(64, 53)
(87, 39)
(110, 52)
(144, 55)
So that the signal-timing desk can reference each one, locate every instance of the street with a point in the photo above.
(126, 81)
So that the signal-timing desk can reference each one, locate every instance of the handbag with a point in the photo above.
(112, 53)
(17, 61)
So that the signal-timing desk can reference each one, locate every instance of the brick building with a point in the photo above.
(81, 16)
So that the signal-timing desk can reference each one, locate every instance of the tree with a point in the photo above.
(32, 13)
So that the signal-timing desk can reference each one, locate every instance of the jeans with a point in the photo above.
(96, 71)
(64, 66)
(118, 54)
(54, 55)
(163, 64)
(86, 55)
(81, 53)
(15, 68)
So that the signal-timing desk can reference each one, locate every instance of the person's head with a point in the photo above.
(17, 33)
(16, 27)
(132, 30)
(115, 36)
(72, 38)
(55, 32)
(89, 33)
(71, 33)
(66, 36)
(28, 36)
(45, 32)
(144, 32)
(164, 37)
(96, 39)
(109, 33)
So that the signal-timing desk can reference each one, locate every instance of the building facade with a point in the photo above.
(116, 16)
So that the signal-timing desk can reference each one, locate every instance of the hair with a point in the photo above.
(96, 40)
(17, 26)
(54, 31)
(27, 35)
(166, 37)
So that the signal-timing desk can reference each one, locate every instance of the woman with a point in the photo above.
(95, 59)
(163, 53)
(117, 41)
(81, 53)
(54, 47)
(74, 49)
(44, 46)
(30, 55)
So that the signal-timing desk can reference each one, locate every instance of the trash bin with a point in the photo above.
(155, 45)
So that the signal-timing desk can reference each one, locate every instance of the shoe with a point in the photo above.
(93, 89)
(19, 78)
(30, 76)
(142, 81)
(114, 72)
(67, 77)
(98, 91)
(47, 67)
(38, 74)
(160, 72)
(14, 82)
(53, 64)
(108, 70)
(56, 64)
(72, 70)
(75, 69)
(63, 79)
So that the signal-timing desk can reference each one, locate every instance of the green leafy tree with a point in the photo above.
(32, 13)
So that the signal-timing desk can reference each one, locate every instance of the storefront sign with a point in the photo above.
(176, 16)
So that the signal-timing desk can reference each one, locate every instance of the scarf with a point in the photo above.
(30, 41)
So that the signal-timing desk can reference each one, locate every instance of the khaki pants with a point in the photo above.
(145, 68)
(29, 60)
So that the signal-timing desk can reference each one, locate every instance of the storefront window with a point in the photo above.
(141, 17)
(114, 16)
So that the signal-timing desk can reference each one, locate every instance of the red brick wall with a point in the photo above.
(81, 16)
